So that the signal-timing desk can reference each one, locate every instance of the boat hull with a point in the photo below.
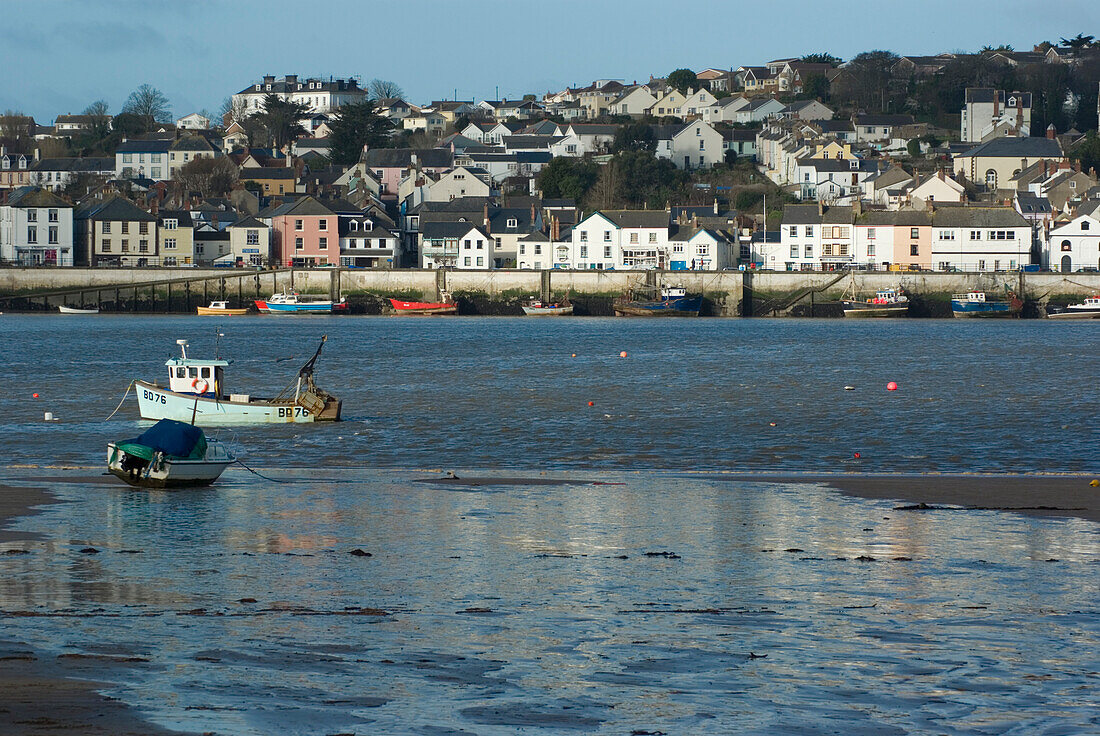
(74, 310)
(685, 307)
(967, 310)
(155, 402)
(170, 472)
(859, 309)
(1075, 314)
(548, 311)
(400, 307)
(304, 308)
(208, 312)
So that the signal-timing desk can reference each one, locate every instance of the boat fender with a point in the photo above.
(200, 382)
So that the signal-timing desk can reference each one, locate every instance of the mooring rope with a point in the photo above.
(250, 470)
(121, 402)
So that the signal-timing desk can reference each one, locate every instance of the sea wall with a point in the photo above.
(726, 293)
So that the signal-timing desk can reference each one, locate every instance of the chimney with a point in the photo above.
(291, 79)
(555, 228)
(533, 213)
(269, 79)
(485, 214)
(154, 206)
(289, 160)
(1051, 131)
(716, 205)
(940, 174)
(820, 211)
(857, 207)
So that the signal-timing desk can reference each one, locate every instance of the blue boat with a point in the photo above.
(295, 303)
(674, 302)
(979, 304)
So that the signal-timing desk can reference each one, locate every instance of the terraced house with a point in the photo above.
(36, 229)
(115, 232)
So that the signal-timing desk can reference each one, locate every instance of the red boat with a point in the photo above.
(447, 306)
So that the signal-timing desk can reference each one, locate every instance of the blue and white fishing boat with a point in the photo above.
(674, 302)
(295, 303)
(981, 304)
(196, 391)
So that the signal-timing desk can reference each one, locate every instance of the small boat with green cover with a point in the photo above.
(169, 454)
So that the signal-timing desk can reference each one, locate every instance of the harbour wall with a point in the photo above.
(726, 293)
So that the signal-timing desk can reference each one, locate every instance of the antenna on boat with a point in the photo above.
(183, 347)
(218, 335)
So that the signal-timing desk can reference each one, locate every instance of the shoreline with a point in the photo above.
(40, 697)
(1045, 495)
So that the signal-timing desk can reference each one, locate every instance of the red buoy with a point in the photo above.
(591, 403)
(891, 386)
(858, 456)
(34, 396)
(622, 354)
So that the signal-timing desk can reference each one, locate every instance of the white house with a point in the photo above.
(696, 102)
(938, 188)
(701, 249)
(534, 251)
(987, 113)
(980, 239)
(460, 245)
(816, 236)
(695, 145)
(1076, 244)
(144, 159)
(725, 109)
(194, 121)
(36, 228)
(250, 242)
(460, 181)
(758, 110)
(367, 243)
(630, 239)
(634, 102)
(318, 95)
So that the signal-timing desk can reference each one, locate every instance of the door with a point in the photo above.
(1067, 264)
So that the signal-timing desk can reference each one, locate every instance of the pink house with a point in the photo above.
(306, 233)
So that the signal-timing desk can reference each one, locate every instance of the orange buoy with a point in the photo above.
(622, 354)
(34, 396)
(891, 386)
(574, 355)
(591, 403)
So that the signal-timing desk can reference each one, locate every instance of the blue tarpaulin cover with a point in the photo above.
(175, 439)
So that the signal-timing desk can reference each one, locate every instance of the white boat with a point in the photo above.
(196, 388)
(885, 303)
(73, 310)
(169, 454)
(295, 303)
(539, 308)
(220, 308)
(1088, 309)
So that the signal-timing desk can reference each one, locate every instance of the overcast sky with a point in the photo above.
(60, 55)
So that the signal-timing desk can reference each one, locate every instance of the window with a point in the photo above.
(842, 249)
(322, 243)
(53, 235)
(584, 251)
(298, 225)
(538, 249)
(794, 251)
(914, 249)
(981, 265)
(154, 158)
(975, 234)
(1084, 224)
(512, 222)
(143, 228)
(996, 265)
(32, 234)
(105, 246)
(870, 233)
(991, 179)
(143, 246)
(653, 237)
(480, 261)
(914, 232)
(466, 261)
(607, 251)
(125, 246)
(32, 215)
(947, 234)
(297, 244)
(467, 244)
(252, 237)
(1066, 246)
(794, 231)
(169, 243)
(870, 249)
(702, 145)
(809, 251)
(827, 249)
(154, 173)
(522, 249)
(106, 228)
(607, 236)
(170, 224)
(127, 158)
(322, 224)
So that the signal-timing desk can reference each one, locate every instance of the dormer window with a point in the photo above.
(257, 88)
(1084, 224)
(267, 87)
(354, 225)
(1012, 102)
(512, 222)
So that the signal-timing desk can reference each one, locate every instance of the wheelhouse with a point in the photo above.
(195, 376)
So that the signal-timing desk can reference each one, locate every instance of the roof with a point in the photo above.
(183, 217)
(636, 218)
(114, 209)
(305, 206)
(75, 164)
(1033, 204)
(446, 229)
(593, 129)
(158, 145)
(250, 222)
(902, 218)
(402, 157)
(192, 143)
(498, 220)
(810, 214)
(267, 172)
(978, 217)
(1012, 147)
(33, 197)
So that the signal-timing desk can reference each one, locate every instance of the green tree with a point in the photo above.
(282, 119)
(568, 177)
(636, 179)
(815, 87)
(821, 58)
(129, 124)
(149, 104)
(681, 79)
(1078, 43)
(354, 126)
(1087, 151)
(867, 83)
(634, 136)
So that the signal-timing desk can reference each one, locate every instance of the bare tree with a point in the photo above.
(381, 89)
(100, 123)
(212, 177)
(150, 104)
(16, 131)
(233, 111)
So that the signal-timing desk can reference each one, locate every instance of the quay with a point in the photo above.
(503, 291)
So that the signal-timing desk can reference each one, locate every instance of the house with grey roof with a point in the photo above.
(878, 129)
(990, 113)
(55, 174)
(618, 239)
(980, 238)
(995, 162)
(319, 95)
(455, 244)
(36, 229)
(114, 232)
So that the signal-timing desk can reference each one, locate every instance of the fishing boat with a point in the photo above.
(674, 302)
(538, 308)
(220, 308)
(885, 303)
(76, 310)
(446, 305)
(981, 304)
(196, 388)
(295, 303)
(169, 454)
(1088, 309)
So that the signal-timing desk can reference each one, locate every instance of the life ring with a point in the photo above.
(195, 385)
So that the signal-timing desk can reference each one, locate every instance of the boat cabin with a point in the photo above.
(195, 376)
(970, 296)
(673, 292)
(218, 305)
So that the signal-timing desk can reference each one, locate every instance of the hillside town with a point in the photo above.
(787, 166)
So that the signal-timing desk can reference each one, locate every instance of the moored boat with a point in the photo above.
(75, 310)
(981, 304)
(221, 308)
(295, 303)
(674, 302)
(538, 308)
(446, 305)
(1088, 309)
(885, 303)
(169, 454)
(196, 388)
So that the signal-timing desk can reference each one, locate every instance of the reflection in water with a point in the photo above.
(670, 603)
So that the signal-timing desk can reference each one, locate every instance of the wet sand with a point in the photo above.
(39, 697)
(1036, 495)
